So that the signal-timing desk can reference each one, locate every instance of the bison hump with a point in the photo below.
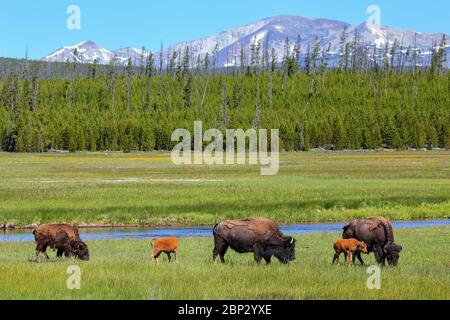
(376, 222)
(260, 226)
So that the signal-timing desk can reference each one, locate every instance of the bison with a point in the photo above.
(63, 238)
(350, 247)
(378, 234)
(166, 245)
(258, 235)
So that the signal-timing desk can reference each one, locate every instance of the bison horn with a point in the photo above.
(292, 240)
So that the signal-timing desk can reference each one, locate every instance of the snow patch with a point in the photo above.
(259, 37)
(279, 28)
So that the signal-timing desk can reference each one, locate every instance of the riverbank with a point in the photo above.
(91, 234)
(146, 189)
(120, 269)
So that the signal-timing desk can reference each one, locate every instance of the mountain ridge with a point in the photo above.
(270, 32)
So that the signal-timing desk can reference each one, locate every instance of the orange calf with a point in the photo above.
(166, 245)
(349, 247)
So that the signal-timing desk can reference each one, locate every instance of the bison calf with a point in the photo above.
(349, 247)
(166, 245)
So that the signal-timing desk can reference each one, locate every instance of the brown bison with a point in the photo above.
(350, 247)
(258, 235)
(63, 238)
(166, 245)
(378, 234)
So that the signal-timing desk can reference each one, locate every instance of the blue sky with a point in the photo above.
(40, 25)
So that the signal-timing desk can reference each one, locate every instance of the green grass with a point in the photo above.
(120, 269)
(146, 188)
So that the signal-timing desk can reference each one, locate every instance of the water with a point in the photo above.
(144, 233)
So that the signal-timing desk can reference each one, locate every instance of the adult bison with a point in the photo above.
(63, 238)
(378, 234)
(258, 235)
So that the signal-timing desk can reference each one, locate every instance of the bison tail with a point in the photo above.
(35, 234)
(215, 229)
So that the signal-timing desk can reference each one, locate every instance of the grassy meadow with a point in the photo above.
(121, 269)
(146, 188)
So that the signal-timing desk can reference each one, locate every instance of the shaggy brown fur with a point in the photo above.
(61, 237)
(376, 222)
(258, 235)
(258, 225)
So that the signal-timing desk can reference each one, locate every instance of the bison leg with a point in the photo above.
(168, 256)
(155, 256)
(258, 252)
(176, 255)
(41, 248)
(222, 252)
(63, 250)
(67, 252)
(258, 258)
(220, 248)
(349, 258)
(379, 255)
(336, 257)
(358, 255)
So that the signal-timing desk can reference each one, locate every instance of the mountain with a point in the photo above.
(86, 51)
(270, 32)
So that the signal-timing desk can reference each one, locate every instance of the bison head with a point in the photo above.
(79, 249)
(348, 231)
(362, 246)
(392, 252)
(287, 252)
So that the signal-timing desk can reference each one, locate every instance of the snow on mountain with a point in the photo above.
(380, 35)
(86, 51)
(269, 33)
(123, 55)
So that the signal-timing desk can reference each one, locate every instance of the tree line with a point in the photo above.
(360, 102)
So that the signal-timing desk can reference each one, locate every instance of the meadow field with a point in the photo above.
(147, 189)
(121, 269)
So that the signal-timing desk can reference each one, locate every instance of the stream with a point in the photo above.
(144, 233)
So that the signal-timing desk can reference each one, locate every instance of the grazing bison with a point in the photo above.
(378, 234)
(63, 238)
(350, 247)
(167, 245)
(258, 235)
